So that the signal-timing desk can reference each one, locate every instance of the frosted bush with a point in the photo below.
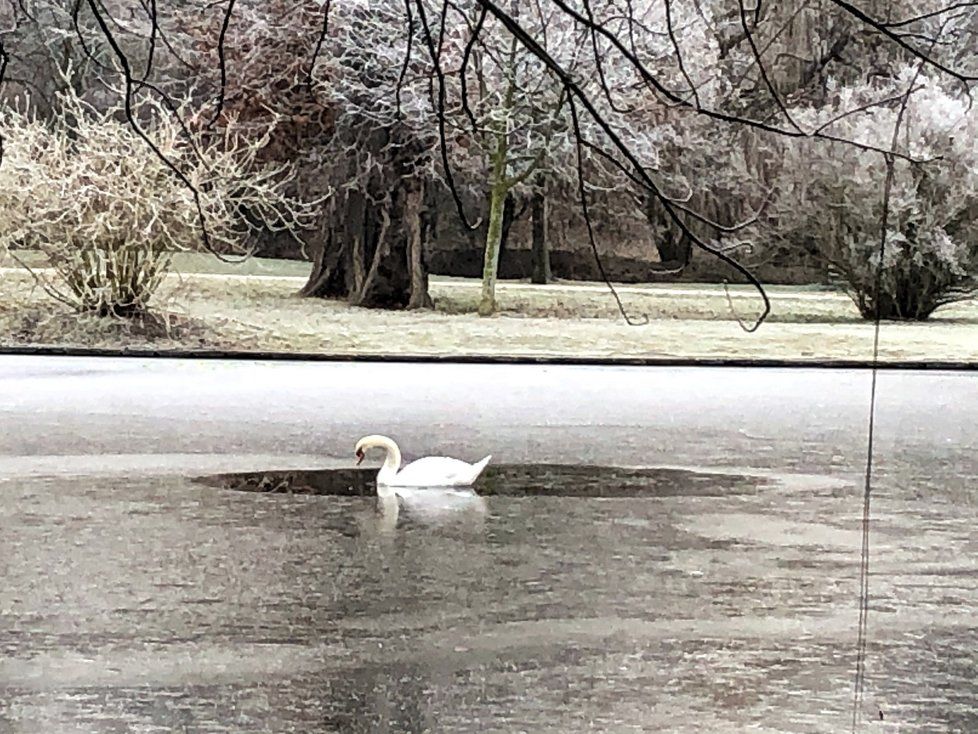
(832, 199)
(88, 193)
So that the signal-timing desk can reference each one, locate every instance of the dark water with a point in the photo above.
(560, 600)
(516, 480)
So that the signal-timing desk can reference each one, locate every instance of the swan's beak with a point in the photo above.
(359, 456)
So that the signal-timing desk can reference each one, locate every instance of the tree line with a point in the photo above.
(717, 129)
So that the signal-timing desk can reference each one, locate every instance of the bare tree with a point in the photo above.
(332, 97)
(508, 116)
(381, 157)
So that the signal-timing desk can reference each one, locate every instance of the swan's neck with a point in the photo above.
(392, 464)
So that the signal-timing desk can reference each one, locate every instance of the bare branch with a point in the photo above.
(222, 62)
(897, 38)
(322, 38)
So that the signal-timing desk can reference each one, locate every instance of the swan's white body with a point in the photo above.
(431, 471)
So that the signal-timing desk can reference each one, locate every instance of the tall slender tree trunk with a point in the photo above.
(356, 226)
(494, 232)
(332, 268)
(540, 249)
(413, 207)
(487, 304)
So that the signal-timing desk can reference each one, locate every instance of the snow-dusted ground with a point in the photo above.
(568, 319)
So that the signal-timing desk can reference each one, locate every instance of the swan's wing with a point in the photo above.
(437, 471)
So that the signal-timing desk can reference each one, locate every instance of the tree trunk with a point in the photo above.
(487, 304)
(509, 216)
(674, 248)
(540, 249)
(494, 231)
(332, 266)
(371, 251)
(414, 229)
(356, 238)
(370, 246)
(370, 243)
(383, 286)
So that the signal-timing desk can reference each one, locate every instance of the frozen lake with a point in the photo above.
(714, 590)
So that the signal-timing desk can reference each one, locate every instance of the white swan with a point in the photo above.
(431, 471)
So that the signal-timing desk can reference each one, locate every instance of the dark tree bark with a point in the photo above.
(540, 248)
(674, 247)
(370, 248)
(416, 227)
(332, 265)
(509, 216)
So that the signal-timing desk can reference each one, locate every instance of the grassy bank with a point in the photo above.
(253, 306)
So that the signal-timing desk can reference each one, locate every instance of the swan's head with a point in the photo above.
(370, 442)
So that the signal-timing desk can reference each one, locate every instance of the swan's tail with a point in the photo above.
(478, 467)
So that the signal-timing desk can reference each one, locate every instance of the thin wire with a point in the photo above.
(861, 636)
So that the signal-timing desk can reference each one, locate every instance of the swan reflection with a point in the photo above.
(433, 506)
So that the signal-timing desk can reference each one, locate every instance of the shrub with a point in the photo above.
(832, 202)
(88, 192)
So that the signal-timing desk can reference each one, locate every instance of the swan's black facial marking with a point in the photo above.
(360, 455)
